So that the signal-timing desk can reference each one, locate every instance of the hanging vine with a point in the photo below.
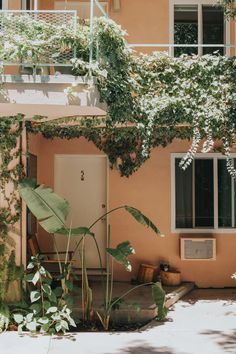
(229, 7)
(155, 97)
(10, 172)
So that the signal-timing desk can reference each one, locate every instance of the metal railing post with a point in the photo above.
(91, 35)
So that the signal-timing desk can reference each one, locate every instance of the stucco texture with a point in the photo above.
(149, 190)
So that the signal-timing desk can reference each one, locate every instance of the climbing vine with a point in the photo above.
(229, 7)
(156, 98)
(10, 173)
(151, 99)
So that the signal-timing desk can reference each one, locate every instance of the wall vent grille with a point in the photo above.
(198, 248)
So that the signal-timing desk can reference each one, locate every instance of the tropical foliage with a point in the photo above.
(48, 312)
(51, 211)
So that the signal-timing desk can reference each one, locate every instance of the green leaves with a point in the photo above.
(120, 254)
(18, 318)
(142, 219)
(47, 289)
(35, 278)
(75, 232)
(158, 294)
(50, 209)
(35, 296)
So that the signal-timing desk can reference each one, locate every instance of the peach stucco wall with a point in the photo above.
(149, 189)
(146, 21)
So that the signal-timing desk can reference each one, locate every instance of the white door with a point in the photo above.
(82, 180)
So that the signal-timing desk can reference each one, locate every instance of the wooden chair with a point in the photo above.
(49, 257)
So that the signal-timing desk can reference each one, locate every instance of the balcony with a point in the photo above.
(37, 49)
(43, 43)
(34, 42)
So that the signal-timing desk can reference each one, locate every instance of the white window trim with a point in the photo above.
(199, 3)
(5, 5)
(216, 229)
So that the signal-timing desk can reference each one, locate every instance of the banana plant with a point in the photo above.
(120, 255)
(52, 211)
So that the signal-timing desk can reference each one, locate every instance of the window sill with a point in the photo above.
(203, 231)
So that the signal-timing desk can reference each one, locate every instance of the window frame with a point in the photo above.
(215, 229)
(5, 5)
(24, 5)
(199, 4)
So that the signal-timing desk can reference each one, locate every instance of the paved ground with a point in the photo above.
(206, 326)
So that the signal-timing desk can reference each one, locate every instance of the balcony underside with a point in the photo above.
(50, 90)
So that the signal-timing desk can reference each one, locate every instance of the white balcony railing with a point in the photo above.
(227, 48)
(35, 38)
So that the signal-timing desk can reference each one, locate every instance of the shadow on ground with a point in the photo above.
(144, 348)
(227, 341)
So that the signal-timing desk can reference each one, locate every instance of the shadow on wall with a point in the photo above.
(226, 340)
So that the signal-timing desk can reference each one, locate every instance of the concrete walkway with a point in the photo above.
(204, 322)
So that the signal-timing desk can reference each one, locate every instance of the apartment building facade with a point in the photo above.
(193, 210)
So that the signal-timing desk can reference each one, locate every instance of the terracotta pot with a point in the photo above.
(146, 273)
(170, 278)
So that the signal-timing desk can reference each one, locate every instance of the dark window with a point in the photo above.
(185, 28)
(213, 28)
(204, 193)
(28, 4)
(183, 196)
(226, 196)
(196, 205)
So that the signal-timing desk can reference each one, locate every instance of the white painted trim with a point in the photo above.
(200, 28)
(199, 3)
(5, 5)
(227, 36)
(49, 79)
(172, 194)
(216, 229)
(215, 191)
(171, 27)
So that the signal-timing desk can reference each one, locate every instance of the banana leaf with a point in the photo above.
(50, 209)
(142, 219)
(120, 254)
(159, 295)
(76, 231)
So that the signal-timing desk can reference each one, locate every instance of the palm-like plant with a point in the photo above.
(51, 212)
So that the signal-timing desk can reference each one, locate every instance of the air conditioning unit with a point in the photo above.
(198, 249)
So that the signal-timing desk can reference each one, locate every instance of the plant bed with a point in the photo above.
(96, 326)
